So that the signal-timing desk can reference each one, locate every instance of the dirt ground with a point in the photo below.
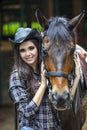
(7, 117)
(85, 104)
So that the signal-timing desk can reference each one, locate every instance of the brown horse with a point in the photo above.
(59, 43)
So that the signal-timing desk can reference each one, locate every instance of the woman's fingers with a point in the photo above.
(82, 52)
(77, 64)
(43, 78)
(42, 68)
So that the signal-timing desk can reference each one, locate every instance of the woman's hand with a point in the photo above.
(82, 52)
(43, 78)
(77, 65)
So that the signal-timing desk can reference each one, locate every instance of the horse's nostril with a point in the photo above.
(65, 96)
(54, 96)
(60, 99)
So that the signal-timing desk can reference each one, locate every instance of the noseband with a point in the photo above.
(69, 77)
(58, 74)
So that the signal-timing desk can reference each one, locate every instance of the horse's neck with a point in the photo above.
(68, 120)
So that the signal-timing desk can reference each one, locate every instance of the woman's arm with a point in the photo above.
(40, 92)
(20, 95)
(27, 106)
(77, 74)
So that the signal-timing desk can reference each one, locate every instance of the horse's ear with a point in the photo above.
(74, 22)
(40, 18)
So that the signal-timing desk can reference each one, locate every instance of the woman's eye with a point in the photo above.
(31, 48)
(22, 50)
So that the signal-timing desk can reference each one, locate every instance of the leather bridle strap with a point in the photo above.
(57, 74)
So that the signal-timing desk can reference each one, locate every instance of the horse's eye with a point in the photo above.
(72, 51)
(45, 53)
(45, 40)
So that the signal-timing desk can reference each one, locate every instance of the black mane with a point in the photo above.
(58, 30)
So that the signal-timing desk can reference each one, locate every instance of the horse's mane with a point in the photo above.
(58, 30)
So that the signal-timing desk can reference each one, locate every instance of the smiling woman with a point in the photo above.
(27, 84)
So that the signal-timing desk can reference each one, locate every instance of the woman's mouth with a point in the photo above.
(29, 59)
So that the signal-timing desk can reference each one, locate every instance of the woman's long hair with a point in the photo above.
(25, 72)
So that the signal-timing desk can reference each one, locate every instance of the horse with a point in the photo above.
(59, 44)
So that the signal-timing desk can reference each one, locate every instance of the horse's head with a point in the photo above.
(58, 53)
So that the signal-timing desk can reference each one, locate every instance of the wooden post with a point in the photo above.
(77, 8)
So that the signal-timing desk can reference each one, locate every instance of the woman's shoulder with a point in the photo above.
(15, 73)
(15, 79)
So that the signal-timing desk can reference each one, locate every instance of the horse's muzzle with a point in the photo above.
(60, 101)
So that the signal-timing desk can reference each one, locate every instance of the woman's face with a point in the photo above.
(29, 53)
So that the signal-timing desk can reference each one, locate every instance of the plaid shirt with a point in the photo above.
(38, 118)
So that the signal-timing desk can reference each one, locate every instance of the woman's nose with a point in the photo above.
(28, 53)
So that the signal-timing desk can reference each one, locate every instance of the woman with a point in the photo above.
(27, 84)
